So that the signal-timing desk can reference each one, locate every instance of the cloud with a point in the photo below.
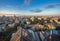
(27, 2)
(52, 5)
(58, 4)
(18, 7)
(36, 10)
(48, 13)
(14, 7)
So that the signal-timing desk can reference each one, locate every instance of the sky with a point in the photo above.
(30, 7)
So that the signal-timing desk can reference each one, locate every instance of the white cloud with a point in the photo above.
(6, 12)
(46, 12)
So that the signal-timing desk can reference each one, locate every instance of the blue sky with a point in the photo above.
(30, 7)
